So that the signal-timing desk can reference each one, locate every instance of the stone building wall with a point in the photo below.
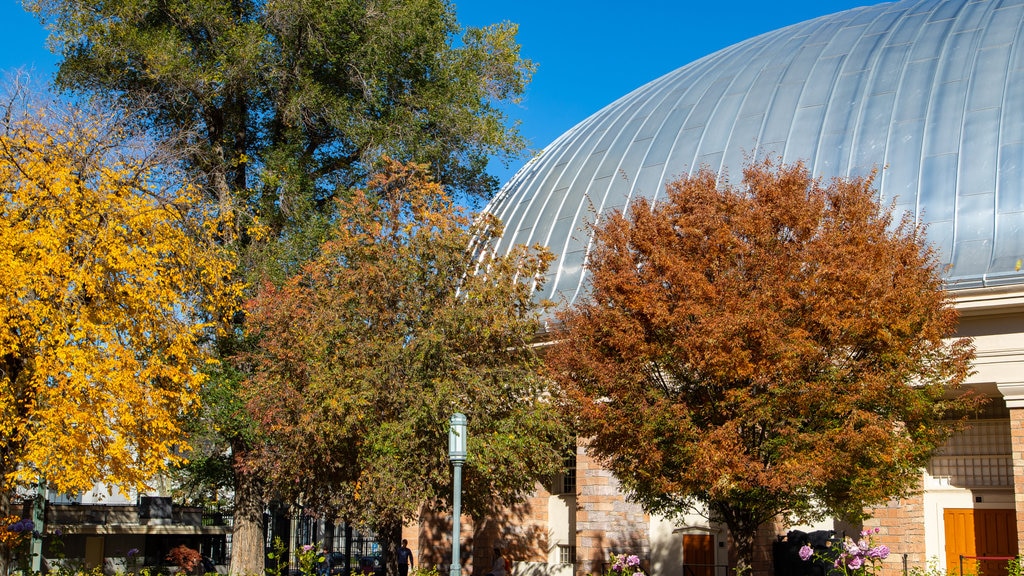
(605, 522)
(521, 532)
(527, 536)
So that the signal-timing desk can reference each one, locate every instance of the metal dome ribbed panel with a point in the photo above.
(931, 92)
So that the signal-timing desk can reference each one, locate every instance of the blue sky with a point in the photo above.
(588, 53)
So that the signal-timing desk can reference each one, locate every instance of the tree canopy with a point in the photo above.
(280, 104)
(779, 347)
(110, 283)
(366, 353)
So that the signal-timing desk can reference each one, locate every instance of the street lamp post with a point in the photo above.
(38, 527)
(457, 454)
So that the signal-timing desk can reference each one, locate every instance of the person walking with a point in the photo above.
(405, 560)
(498, 567)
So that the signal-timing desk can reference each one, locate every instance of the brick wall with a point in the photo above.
(901, 528)
(1017, 448)
(767, 535)
(528, 541)
(605, 522)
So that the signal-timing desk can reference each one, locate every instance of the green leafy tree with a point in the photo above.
(366, 353)
(283, 103)
(277, 106)
(775, 348)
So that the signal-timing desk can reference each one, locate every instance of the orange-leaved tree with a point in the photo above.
(776, 348)
(364, 355)
(109, 284)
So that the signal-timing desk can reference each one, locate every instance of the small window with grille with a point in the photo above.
(569, 476)
(566, 554)
(565, 483)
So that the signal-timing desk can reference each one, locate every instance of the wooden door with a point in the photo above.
(979, 533)
(995, 533)
(93, 552)
(698, 555)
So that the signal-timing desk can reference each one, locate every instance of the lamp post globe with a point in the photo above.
(457, 438)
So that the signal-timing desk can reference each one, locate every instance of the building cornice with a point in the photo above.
(1013, 394)
(989, 300)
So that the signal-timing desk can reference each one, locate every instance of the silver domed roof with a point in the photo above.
(933, 91)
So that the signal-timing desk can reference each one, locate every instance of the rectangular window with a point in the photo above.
(566, 554)
(569, 476)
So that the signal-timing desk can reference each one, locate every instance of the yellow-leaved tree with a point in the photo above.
(111, 283)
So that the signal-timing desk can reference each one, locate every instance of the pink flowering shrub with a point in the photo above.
(309, 558)
(625, 565)
(855, 558)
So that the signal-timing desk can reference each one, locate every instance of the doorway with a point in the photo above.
(94, 552)
(979, 532)
(698, 555)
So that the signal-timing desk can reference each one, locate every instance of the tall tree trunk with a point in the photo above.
(11, 448)
(389, 536)
(742, 524)
(744, 542)
(247, 548)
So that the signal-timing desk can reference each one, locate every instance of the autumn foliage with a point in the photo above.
(109, 284)
(778, 347)
(184, 558)
(362, 358)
